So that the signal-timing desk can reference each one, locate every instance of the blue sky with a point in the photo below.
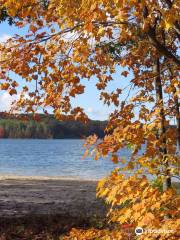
(89, 100)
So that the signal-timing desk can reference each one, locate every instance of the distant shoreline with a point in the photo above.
(47, 127)
(44, 178)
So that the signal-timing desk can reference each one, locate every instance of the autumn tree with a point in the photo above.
(69, 42)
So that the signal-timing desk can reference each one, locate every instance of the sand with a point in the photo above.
(21, 196)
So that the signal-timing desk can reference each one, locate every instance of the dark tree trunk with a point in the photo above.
(177, 108)
(176, 101)
(159, 100)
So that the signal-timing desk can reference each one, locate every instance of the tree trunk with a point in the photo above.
(159, 100)
(176, 101)
(177, 108)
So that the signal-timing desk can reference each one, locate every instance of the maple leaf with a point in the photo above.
(4, 86)
(114, 159)
(32, 28)
(125, 73)
(12, 91)
(168, 25)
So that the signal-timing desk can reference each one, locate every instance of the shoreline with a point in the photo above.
(43, 178)
(23, 196)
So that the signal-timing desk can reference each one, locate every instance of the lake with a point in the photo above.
(51, 158)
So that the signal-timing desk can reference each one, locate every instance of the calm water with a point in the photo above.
(51, 158)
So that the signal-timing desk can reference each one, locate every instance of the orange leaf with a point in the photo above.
(125, 73)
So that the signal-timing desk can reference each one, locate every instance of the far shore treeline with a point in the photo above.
(47, 127)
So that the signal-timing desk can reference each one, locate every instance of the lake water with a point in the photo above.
(51, 158)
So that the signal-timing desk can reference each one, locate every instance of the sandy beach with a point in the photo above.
(21, 196)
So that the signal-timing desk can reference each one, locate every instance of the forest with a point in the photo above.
(47, 127)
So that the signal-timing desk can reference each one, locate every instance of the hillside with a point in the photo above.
(47, 127)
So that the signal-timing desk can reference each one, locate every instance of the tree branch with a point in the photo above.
(161, 48)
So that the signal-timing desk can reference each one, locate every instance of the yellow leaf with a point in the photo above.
(101, 31)
(168, 25)
(86, 153)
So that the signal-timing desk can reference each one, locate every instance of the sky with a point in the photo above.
(95, 108)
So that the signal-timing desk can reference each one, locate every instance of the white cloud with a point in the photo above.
(4, 37)
(90, 110)
(6, 101)
(97, 114)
